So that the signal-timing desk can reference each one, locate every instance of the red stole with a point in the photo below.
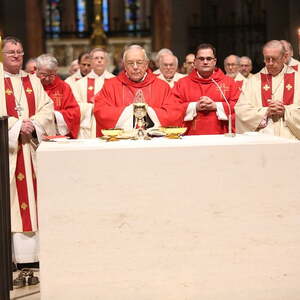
(239, 84)
(20, 172)
(288, 91)
(295, 67)
(90, 89)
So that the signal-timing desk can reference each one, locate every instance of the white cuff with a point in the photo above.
(191, 111)
(39, 130)
(88, 115)
(152, 115)
(125, 120)
(13, 135)
(62, 127)
(221, 112)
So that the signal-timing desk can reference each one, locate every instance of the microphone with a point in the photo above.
(230, 133)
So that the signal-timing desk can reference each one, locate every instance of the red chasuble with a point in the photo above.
(64, 102)
(119, 92)
(192, 87)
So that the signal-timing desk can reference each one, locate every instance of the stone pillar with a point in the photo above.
(68, 16)
(161, 24)
(34, 25)
(294, 26)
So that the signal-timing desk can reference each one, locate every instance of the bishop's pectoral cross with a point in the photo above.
(19, 109)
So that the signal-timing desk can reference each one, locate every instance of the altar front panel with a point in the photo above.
(197, 218)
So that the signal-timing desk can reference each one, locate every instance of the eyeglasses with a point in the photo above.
(209, 58)
(135, 63)
(231, 65)
(13, 53)
(272, 59)
(44, 75)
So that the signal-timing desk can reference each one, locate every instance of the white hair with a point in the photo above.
(275, 44)
(47, 61)
(135, 47)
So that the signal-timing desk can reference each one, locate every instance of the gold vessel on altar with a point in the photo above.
(173, 132)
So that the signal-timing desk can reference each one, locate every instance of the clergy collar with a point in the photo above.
(7, 74)
(202, 76)
(284, 70)
(139, 80)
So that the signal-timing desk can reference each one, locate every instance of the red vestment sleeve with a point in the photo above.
(70, 111)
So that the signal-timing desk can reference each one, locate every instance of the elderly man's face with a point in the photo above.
(231, 66)
(205, 62)
(274, 60)
(12, 56)
(245, 67)
(99, 62)
(168, 66)
(135, 64)
(46, 76)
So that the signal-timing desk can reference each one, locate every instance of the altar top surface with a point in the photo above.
(186, 141)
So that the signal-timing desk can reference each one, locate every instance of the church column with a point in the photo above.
(161, 24)
(35, 45)
(68, 16)
(294, 26)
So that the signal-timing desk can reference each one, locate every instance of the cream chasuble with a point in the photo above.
(23, 101)
(84, 91)
(252, 106)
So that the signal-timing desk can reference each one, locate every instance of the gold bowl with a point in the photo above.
(113, 132)
(173, 132)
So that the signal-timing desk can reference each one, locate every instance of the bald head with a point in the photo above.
(288, 50)
(168, 64)
(245, 66)
(232, 65)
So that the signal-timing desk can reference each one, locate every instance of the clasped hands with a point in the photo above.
(27, 127)
(275, 109)
(206, 104)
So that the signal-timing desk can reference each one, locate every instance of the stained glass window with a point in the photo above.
(81, 16)
(132, 8)
(53, 20)
(105, 15)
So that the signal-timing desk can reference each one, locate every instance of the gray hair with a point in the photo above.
(165, 55)
(287, 46)
(11, 39)
(246, 57)
(47, 61)
(275, 44)
(136, 47)
(99, 50)
(237, 58)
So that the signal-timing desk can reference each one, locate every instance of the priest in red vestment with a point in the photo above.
(66, 108)
(113, 104)
(207, 95)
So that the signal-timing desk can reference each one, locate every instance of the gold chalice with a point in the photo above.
(111, 134)
(173, 132)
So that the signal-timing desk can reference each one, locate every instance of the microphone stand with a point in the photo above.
(230, 133)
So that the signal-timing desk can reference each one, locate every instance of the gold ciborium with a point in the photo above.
(140, 112)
